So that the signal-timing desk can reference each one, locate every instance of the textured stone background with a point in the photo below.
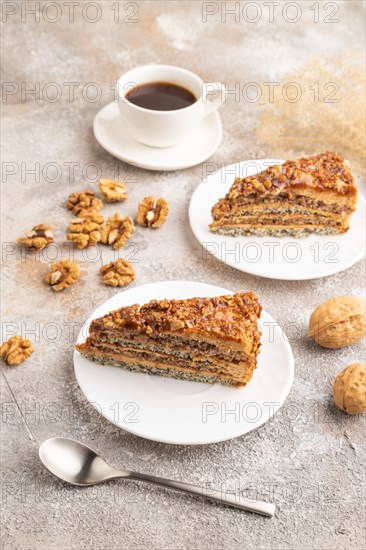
(310, 458)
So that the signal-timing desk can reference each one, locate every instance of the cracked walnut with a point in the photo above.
(62, 275)
(39, 237)
(83, 203)
(118, 273)
(85, 231)
(113, 191)
(152, 212)
(16, 350)
(117, 230)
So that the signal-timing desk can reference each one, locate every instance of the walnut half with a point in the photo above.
(62, 275)
(85, 231)
(117, 230)
(39, 237)
(152, 212)
(113, 191)
(16, 350)
(83, 203)
(119, 273)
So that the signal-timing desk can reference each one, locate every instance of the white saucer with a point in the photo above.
(110, 134)
(178, 411)
(283, 258)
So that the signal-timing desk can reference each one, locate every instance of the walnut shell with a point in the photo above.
(349, 389)
(338, 322)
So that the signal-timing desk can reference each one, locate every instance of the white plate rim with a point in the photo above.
(156, 167)
(250, 268)
(129, 428)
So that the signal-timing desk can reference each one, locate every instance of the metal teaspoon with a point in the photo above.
(77, 464)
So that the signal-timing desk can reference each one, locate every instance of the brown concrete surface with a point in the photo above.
(310, 458)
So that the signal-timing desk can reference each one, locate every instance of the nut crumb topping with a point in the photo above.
(85, 231)
(16, 350)
(119, 273)
(113, 191)
(39, 237)
(327, 171)
(232, 318)
(117, 230)
(152, 212)
(84, 203)
(62, 275)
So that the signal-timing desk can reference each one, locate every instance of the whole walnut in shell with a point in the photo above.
(349, 389)
(338, 322)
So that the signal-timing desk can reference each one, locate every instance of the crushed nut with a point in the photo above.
(62, 275)
(113, 191)
(84, 203)
(152, 212)
(55, 277)
(117, 230)
(85, 231)
(39, 237)
(16, 350)
(119, 273)
(176, 324)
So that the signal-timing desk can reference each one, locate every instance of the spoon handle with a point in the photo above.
(263, 508)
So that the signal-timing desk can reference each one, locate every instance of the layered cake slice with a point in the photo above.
(200, 339)
(310, 195)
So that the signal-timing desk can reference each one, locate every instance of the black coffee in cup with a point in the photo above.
(161, 96)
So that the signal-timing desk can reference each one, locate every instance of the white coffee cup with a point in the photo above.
(166, 128)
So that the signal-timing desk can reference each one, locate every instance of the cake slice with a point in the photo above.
(310, 195)
(200, 339)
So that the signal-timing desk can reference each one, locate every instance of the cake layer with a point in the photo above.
(335, 205)
(179, 360)
(254, 207)
(176, 342)
(168, 353)
(285, 220)
(173, 346)
(194, 340)
(295, 217)
(278, 230)
(176, 368)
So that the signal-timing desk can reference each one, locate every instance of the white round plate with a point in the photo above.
(178, 411)
(276, 258)
(110, 134)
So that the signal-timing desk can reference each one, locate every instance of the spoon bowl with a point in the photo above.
(75, 462)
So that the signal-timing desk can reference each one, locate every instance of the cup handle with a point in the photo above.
(209, 88)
